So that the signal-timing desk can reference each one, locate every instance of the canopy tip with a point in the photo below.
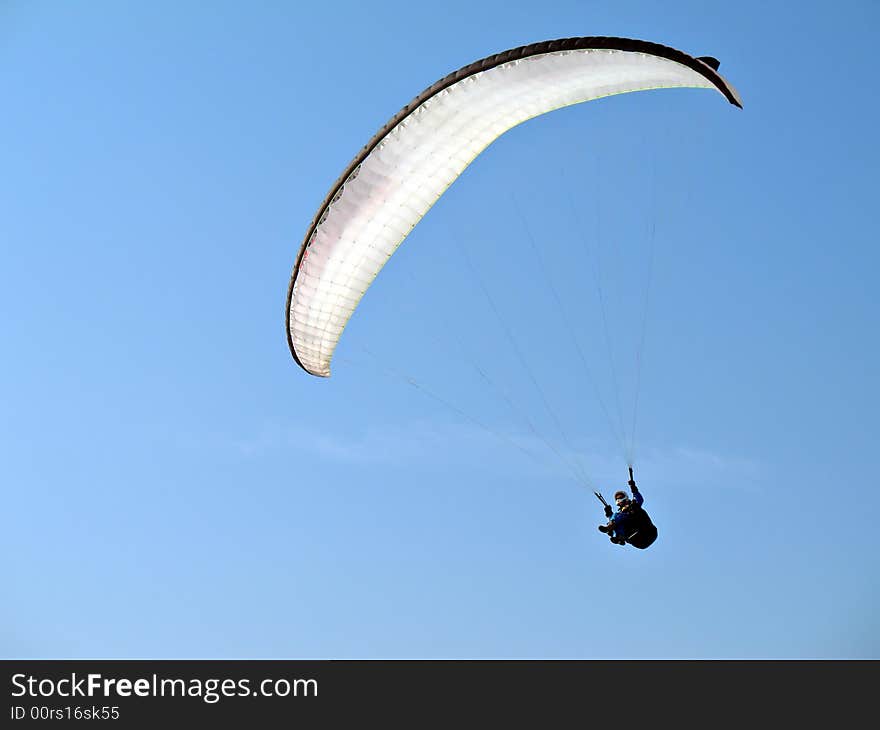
(710, 61)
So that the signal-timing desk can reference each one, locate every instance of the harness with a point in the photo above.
(644, 532)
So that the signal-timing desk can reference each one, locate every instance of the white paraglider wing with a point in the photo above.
(411, 161)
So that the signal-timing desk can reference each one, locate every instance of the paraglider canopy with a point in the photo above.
(402, 171)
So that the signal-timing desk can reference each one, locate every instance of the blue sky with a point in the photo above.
(175, 486)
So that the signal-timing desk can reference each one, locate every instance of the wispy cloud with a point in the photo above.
(689, 467)
(417, 443)
(425, 444)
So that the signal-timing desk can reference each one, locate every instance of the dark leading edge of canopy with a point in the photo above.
(706, 66)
